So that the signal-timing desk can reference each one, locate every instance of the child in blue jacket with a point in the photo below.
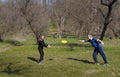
(97, 44)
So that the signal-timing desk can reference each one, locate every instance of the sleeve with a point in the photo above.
(95, 39)
(88, 40)
(44, 44)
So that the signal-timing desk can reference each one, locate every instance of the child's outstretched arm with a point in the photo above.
(44, 44)
(83, 41)
(100, 41)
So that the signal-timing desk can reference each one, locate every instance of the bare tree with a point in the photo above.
(77, 17)
(3, 26)
(35, 16)
(8, 19)
(107, 18)
(59, 14)
(82, 15)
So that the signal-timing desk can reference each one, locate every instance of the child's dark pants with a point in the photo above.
(41, 52)
(101, 51)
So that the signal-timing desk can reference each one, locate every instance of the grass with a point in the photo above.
(61, 60)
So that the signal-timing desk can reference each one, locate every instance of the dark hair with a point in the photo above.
(40, 35)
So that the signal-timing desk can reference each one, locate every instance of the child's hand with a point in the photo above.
(82, 40)
(102, 43)
(49, 46)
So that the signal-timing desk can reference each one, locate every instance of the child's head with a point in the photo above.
(41, 36)
(90, 36)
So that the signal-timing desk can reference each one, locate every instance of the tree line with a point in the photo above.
(68, 17)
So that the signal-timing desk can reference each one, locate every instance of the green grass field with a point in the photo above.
(61, 60)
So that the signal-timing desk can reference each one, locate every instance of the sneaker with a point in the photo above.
(40, 62)
(97, 63)
(105, 64)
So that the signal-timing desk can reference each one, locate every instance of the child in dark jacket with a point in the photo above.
(41, 45)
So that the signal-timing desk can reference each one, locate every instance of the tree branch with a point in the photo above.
(102, 3)
(111, 3)
(101, 12)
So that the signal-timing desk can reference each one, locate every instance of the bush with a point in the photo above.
(14, 42)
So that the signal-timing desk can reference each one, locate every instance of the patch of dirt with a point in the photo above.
(91, 71)
(4, 48)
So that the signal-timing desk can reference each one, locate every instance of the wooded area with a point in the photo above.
(68, 17)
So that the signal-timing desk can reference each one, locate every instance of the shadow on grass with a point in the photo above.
(72, 45)
(14, 42)
(10, 69)
(50, 59)
(32, 59)
(84, 61)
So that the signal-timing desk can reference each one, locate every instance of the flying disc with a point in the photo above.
(64, 41)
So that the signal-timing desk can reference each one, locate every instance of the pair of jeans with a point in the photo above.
(101, 52)
(41, 52)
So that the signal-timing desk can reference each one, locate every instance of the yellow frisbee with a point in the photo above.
(64, 41)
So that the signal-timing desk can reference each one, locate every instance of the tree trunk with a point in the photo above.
(1, 38)
(44, 3)
(104, 31)
(107, 18)
(59, 30)
(106, 22)
(37, 38)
